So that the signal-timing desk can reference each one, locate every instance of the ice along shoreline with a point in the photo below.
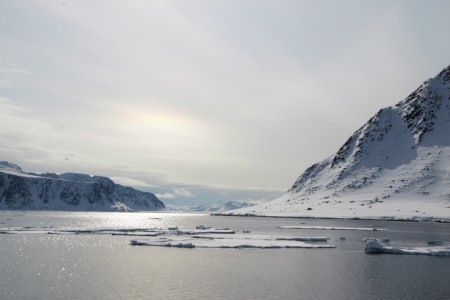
(386, 218)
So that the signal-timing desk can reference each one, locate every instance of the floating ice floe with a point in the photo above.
(136, 233)
(262, 237)
(236, 241)
(205, 231)
(381, 240)
(115, 231)
(191, 238)
(331, 228)
(26, 230)
(6, 232)
(378, 247)
(202, 227)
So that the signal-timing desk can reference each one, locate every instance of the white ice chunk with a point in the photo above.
(382, 240)
(26, 230)
(204, 231)
(226, 242)
(202, 227)
(137, 233)
(116, 231)
(303, 239)
(377, 247)
(262, 237)
(330, 228)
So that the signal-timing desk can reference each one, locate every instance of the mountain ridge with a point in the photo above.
(69, 191)
(397, 165)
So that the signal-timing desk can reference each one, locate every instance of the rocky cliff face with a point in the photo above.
(398, 161)
(69, 191)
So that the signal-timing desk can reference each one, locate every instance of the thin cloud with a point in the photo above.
(175, 91)
(131, 182)
(166, 196)
(182, 192)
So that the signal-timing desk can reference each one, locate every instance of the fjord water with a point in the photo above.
(94, 266)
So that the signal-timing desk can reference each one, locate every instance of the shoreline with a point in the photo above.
(249, 215)
(389, 219)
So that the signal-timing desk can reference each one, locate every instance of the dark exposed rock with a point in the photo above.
(70, 191)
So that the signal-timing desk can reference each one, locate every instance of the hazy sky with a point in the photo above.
(241, 94)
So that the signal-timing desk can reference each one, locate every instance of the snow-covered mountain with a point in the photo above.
(397, 165)
(69, 191)
(230, 205)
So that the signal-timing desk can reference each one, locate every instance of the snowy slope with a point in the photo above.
(397, 166)
(70, 191)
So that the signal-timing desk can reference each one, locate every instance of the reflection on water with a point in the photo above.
(92, 219)
(43, 266)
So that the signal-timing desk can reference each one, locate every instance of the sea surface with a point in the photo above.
(98, 266)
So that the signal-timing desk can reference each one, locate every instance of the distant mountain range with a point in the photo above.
(230, 205)
(69, 191)
(397, 165)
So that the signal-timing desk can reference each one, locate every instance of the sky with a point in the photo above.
(237, 95)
